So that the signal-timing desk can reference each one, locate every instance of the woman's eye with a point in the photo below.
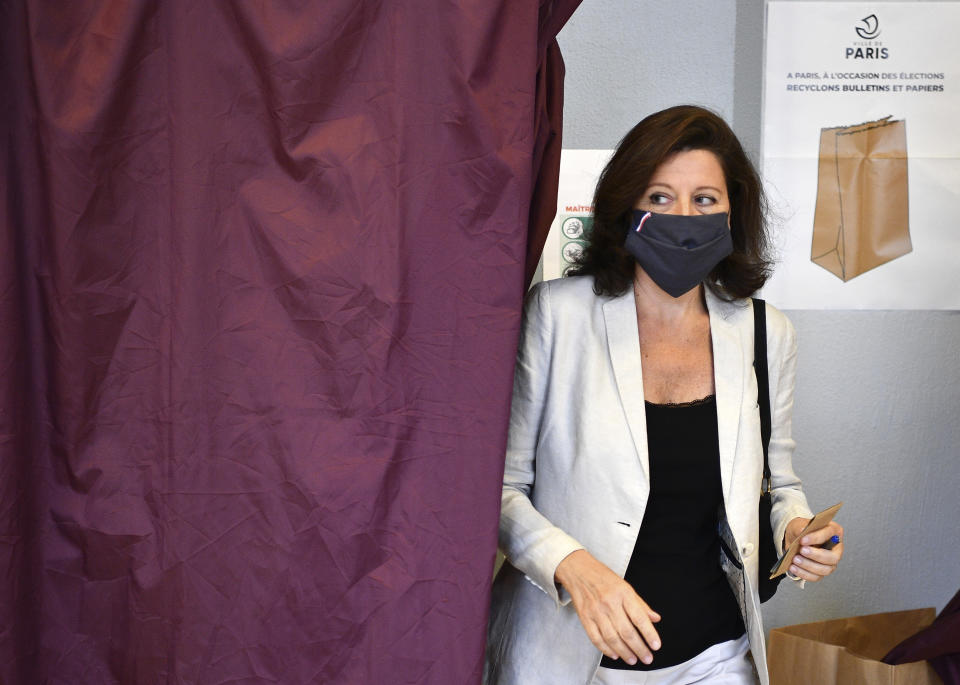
(705, 200)
(659, 199)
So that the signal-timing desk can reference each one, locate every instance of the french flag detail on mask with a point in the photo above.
(643, 221)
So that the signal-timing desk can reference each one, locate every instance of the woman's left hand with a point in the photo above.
(812, 562)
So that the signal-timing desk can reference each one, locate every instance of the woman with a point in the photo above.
(634, 448)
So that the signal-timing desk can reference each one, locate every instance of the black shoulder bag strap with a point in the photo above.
(768, 551)
(763, 381)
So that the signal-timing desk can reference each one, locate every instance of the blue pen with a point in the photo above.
(831, 542)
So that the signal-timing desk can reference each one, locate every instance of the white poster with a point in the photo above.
(579, 172)
(861, 154)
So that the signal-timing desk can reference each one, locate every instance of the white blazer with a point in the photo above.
(577, 472)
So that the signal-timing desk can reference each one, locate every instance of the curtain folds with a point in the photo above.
(260, 281)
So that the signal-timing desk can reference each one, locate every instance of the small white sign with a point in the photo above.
(579, 172)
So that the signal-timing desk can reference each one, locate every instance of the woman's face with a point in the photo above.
(688, 182)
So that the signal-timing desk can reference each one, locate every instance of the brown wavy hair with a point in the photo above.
(626, 177)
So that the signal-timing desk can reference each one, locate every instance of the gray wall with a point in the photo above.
(876, 417)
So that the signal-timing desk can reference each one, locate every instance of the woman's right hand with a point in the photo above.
(618, 622)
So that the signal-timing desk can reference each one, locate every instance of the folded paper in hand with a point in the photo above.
(816, 523)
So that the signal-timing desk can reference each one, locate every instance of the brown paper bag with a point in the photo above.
(861, 220)
(847, 651)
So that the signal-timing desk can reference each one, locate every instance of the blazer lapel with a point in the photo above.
(623, 341)
(728, 368)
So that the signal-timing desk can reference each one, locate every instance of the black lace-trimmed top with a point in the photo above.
(675, 565)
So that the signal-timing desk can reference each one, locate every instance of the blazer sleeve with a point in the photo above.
(531, 542)
(786, 489)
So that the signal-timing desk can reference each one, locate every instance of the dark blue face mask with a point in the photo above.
(678, 251)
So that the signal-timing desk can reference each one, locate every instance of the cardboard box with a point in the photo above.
(847, 651)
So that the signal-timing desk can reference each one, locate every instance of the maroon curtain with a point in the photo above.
(260, 275)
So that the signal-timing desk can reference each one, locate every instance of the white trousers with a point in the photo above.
(727, 663)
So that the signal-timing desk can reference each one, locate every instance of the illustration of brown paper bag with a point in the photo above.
(861, 220)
